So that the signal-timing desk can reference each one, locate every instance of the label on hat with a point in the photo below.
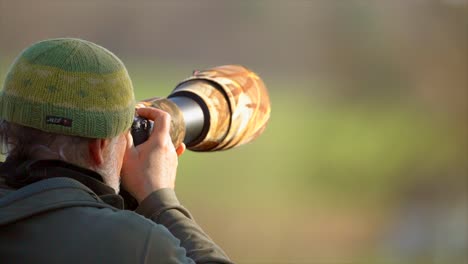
(58, 120)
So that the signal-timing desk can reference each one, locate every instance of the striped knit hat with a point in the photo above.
(71, 87)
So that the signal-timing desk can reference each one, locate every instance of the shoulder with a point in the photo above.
(120, 235)
(111, 222)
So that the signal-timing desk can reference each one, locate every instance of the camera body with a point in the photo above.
(141, 129)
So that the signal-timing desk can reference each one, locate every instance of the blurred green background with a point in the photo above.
(364, 159)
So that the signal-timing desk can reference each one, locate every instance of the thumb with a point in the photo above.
(131, 151)
(180, 149)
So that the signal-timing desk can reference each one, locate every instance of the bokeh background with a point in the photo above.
(364, 159)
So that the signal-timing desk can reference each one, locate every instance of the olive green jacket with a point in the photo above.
(61, 220)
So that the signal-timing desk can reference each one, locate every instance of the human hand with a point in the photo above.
(151, 165)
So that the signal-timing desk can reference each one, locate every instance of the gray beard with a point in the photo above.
(110, 175)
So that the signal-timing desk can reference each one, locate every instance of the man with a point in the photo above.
(67, 106)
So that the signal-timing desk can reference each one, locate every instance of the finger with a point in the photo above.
(180, 149)
(157, 116)
(162, 120)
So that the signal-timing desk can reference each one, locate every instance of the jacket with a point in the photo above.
(65, 214)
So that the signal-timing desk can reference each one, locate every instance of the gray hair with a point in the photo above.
(21, 143)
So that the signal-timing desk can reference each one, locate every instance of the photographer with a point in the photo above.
(67, 106)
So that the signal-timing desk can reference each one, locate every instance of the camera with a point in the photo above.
(214, 109)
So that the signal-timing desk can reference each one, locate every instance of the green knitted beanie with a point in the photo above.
(71, 87)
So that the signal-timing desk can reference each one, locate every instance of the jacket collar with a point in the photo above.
(18, 174)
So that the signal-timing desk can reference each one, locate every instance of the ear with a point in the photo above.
(96, 149)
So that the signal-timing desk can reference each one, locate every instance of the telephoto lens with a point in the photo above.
(214, 109)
